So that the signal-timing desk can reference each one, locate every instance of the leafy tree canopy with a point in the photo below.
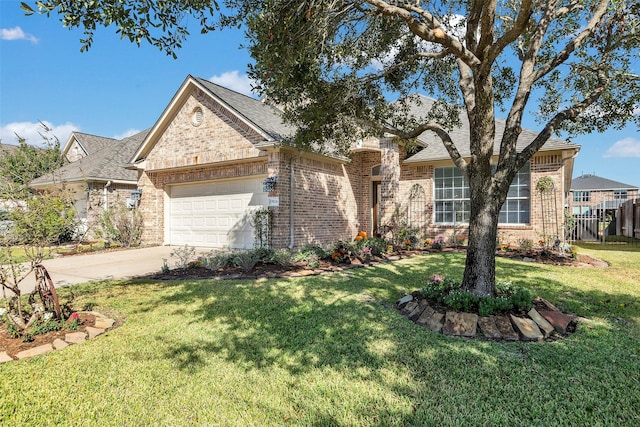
(335, 65)
(19, 166)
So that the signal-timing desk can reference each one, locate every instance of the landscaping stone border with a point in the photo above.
(102, 324)
(537, 325)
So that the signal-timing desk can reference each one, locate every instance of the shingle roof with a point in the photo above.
(264, 116)
(591, 182)
(93, 143)
(106, 164)
(435, 150)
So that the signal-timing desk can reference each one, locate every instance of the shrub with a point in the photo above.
(377, 245)
(281, 257)
(522, 299)
(311, 254)
(461, 300)
(246, 260)
(488, 306)
(439, 287)
(525, 245)
(185, 254)
(215, 261)
(121, 225)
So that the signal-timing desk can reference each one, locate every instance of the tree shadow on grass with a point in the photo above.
(344, 322)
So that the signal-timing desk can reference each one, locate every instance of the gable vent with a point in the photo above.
(196, 118)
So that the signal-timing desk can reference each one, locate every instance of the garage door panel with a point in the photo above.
(215, 214)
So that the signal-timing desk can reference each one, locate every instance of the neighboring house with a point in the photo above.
(210, 158)
(591, 194)
(96, 174)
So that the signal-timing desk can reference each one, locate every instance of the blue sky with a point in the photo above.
(116, 89)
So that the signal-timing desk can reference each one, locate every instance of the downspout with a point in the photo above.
(105, 195)
(291, 193)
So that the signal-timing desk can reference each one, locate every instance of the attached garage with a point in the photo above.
(214, 214)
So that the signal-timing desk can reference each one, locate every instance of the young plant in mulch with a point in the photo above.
(447, 292)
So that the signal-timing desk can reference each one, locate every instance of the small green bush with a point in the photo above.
(461, 300)
(41, 327)
(488, 306)
(281, 257)
(522, 299)
(311, 254)
(246, 260)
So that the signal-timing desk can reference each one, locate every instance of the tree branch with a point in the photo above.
(599, 12)
(429, 29)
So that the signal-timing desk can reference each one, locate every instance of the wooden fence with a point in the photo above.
(628, 219)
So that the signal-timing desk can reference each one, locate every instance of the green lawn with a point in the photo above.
(329, 350)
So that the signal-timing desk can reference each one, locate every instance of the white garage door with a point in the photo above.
(215, 214)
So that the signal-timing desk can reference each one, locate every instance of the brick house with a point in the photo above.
(590, 193)
(96, 173)
(214, 156)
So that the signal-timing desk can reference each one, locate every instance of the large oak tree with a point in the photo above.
(336, 65)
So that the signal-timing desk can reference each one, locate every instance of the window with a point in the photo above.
(375, 171)
(620, 195)
(452, 204)
(581, 196)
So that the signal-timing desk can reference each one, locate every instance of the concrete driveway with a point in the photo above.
(106, 265)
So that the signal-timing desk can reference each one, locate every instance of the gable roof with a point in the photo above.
(263, 118)
(89, 143)
(592, 182)
(435, 150)
(106, 164)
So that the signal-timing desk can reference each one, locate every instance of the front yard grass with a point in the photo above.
(330, 350)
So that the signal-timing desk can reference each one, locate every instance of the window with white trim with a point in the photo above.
(620, 194)
(452, 203)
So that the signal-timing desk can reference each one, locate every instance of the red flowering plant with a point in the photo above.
(73, 322)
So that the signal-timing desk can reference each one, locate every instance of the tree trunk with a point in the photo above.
(480, 267)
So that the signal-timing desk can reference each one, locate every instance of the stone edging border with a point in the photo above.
(538, 325)
(101, 325)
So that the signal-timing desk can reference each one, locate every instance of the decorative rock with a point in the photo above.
(4, 357)
(424, 317)
(546, 304)
(527, 328)
(488, 327)
(104, 323)
(405, 299)
(411, 305)
(59, 344)
(75, 337)
(506, 330)
(546, 327)
(461, 324)
(94, 332)
(435, 322)
(559, 320)
(417, 312)
(35, 351)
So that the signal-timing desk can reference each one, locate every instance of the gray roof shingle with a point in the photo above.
(590, 182)
(435, 150)
(106, 164)
(264, 116)
(93, 143)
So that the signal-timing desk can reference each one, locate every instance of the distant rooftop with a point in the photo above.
(590, 182)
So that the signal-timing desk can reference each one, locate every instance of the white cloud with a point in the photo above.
(627, 147)
(16, 33)
(234, 81)
(32, 132)
(126, 134)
